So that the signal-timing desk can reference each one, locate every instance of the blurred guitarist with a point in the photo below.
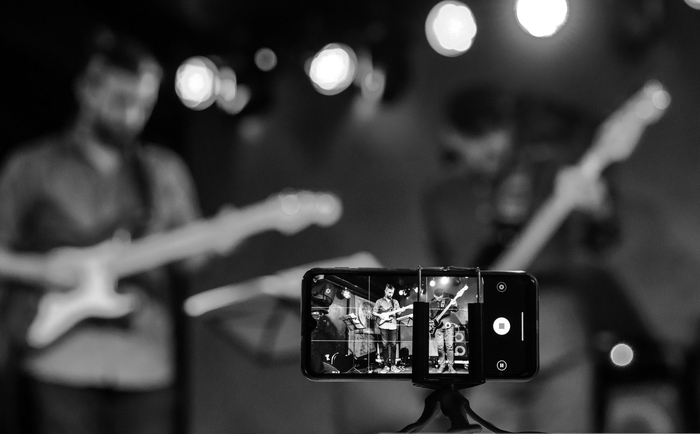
(443, 329)
(385, 310)
(79, 187)
(508, 155)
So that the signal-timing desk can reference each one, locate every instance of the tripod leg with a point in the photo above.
(429, 412)
(453, 405)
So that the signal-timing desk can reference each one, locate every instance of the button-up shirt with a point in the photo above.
(51, 195)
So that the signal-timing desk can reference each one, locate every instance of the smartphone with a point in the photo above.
(358, 324)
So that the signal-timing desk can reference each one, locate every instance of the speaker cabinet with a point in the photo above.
(461, 348)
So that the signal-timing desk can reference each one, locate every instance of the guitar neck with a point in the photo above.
(441, 314)
(530, 241)
(453, 301)
(617, 139)
(192, 240)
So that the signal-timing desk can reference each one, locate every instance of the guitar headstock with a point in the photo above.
(297, 210)
(461, 292)
(619, 134)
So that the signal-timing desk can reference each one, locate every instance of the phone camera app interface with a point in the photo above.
(363, 324)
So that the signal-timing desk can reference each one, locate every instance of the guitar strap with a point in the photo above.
(137, 224)
(142, 180)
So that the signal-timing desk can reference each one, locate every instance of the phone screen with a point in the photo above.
(359, 323)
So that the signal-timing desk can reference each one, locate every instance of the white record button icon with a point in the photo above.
(501, 326)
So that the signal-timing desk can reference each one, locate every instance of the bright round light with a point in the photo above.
(542, 18)
(695, 4)
(450, 28)
(197, 82)
(333, 68)
(621, 355)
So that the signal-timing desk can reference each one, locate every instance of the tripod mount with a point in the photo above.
(446, 396)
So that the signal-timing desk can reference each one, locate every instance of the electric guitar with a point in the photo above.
(385, 316)
(103, 264)
(436, 322)
(617, 138)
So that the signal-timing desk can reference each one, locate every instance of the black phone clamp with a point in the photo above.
(446, 395)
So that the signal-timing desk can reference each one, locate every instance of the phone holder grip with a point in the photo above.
(421, 342)
(420, 374)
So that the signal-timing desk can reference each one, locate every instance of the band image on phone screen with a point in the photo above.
(359, 323)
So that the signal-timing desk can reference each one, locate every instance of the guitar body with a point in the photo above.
(387, 315)
(101, 266)
(57, 312)
(434, 326)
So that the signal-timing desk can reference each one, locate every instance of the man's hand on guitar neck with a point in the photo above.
(67, 267)
(59, 269)
(585, 193)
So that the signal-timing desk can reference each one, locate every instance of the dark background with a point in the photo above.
(378, 162)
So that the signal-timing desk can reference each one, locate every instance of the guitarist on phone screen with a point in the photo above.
(385, 311)
(442, 329)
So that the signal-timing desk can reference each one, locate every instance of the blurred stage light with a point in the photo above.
(228, 85)
(201, 81)
(237, 104)
(332, 69)
(450, 28)
(695, 4)
(232, 96)
(369, 78)
(373, 85)
(197, 82)
(542, 18)
(621, 355)
(265, 59)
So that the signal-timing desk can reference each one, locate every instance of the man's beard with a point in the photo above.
(118, 137)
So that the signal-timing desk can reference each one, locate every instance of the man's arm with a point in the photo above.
(60, 268)
(24, 267)
(377, 307)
